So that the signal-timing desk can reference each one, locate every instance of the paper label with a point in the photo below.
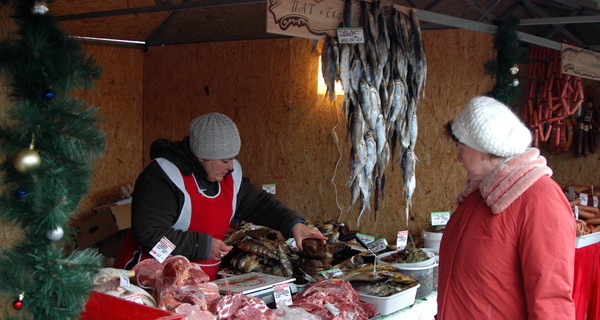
(291, 242)
(378, 245)
(332, 273)
(576, 212)
(595, 201)
(136, 297)
(350, 35)
(365, 239)
(401, 239)
(584, 199)
(124, 281)
(335, 311)
(282, 294)
(270, 188)
(440, 218)
(162, 249)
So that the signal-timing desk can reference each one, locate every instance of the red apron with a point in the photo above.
(210, 215)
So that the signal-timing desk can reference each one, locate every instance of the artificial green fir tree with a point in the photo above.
(49, 142)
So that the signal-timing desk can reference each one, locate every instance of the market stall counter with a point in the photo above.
(586, 291)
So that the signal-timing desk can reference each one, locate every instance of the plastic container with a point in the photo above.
(432, 239)
(425, 277)
(101, 306)
(393, 303)
(425, 263)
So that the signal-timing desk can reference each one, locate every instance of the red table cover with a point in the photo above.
(586, 291)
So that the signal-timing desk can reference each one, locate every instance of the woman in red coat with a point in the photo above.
(508, 250)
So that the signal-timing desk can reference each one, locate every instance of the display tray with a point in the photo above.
(101, 306)
(588, 239)
(250, 283)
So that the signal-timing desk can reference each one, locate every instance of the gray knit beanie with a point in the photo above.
(489, 126)
(213, 136)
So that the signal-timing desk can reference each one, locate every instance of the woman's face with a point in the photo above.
(216, 170)
(477, 164)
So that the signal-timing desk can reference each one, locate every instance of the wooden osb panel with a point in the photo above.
(269, 87)
(118, 96)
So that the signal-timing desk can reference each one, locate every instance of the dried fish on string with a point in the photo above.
(383, 80)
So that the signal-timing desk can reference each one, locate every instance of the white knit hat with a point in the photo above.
(489, 126)
(214, 136)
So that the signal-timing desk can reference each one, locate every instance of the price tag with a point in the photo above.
(124, 281)
(136, 297)
(350, 35)
(335, 311)
(378, 245)
(291, 242)
(282, 294)
(365, 239)
(440, 218)
(270, 188)
(332, 273)
(595, 201)
(584, 199)
(162, 249)
(576, 212)
(402, 239)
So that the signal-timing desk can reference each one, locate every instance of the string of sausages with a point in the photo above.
(552, 97)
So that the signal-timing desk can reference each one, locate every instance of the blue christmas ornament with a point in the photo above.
(49, 95)
(22, 193)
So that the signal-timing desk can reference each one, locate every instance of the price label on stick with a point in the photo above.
(162, 249)
(377, 245)
(440, 218)
(402, 239)
(282, 294)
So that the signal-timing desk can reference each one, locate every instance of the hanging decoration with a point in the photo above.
(383, 77)
(27, 160)
(505, 67)
(55, 234)
(18, 303)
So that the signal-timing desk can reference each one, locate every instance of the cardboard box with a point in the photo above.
(104, 222)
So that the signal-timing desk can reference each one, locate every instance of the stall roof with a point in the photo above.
(168, 22)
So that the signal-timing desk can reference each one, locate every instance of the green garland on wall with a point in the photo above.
(505, 67)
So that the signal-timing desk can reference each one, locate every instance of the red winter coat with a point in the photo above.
(517, 264)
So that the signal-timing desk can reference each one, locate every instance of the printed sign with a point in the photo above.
(332, 273)
(270, 188)
(580, 62)
(440, 218)
(350, 35)
(401, 239)
(162, 249)
(282, 294)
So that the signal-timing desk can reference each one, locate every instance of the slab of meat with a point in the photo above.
(334, 299)
(240, 307)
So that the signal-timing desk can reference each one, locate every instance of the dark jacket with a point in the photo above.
(157, 202)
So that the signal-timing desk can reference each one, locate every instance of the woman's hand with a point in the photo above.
(300, 232)
(219, 249)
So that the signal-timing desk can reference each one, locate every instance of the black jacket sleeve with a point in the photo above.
(155, 207)
(262, 208)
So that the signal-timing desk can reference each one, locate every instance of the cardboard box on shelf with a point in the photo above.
(104, 222)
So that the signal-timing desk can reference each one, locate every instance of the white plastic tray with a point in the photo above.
(586, 240)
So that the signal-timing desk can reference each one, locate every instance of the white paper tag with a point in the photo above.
(576, 212)
(332, 273)
(584, 199)
(378, 245)
(364, 238)
(291, 242)
(270, 188)
(332, 309)
(350, 35)
(282, 294)
(136, 297)
(124, 281)
(595, 205)
(401, 239)
(162, 249)
(440, 218)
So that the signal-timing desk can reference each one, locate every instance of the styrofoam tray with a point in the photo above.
(588, 239)
(393, 303)
(409, 266)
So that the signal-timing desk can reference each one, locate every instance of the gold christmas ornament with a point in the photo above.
(514, 69)
(27, 159)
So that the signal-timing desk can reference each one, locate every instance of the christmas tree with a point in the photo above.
(49, 141)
